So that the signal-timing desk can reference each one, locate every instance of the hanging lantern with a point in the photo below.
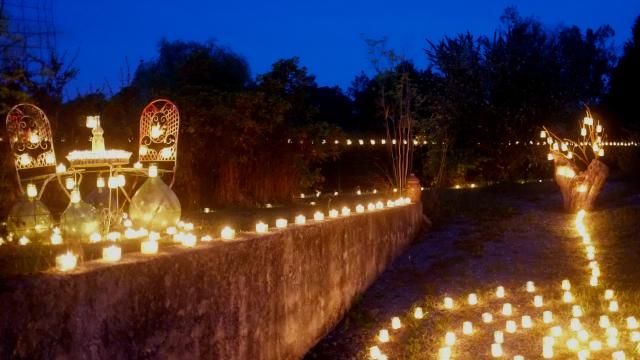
(155, 206)
(80, 219)
(30, 218)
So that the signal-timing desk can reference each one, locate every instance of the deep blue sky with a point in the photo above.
(327, 35)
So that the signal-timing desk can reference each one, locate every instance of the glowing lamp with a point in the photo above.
(496, 350)
(556, 331)
(566, 285)
(32, 191)
(23, 240)
(111, 253)
(608, 294)
(153, 170)
(448, 303)
(450, 338)
(543, 134)
(390, 203)
(487, 318)
(573, 344)
(537, 301)
(345, 211)
(227, 233)
(635, 336)
(547, 317)
(69, 183)
(371, 207)
(379, 205)
(575, 324)
(281, 223)
(149, 247)
(613, 306)
(612, 342)
(498, 337)
(418, 313)
(155, 132)
(511, 326)
(318, 216)
(56, 238)
(359, 209)
(95, 237)
(444, 353)
(395, 323)
(618, 355)
(604, 321)
(188, 240)
(383, 336)
(472, 299)
(595, 345)
(567, 297)
(66, 261)
(374, 352)
(500, 292)
(262, 228)
(593, 281)
(507, 309)
(61, 168)
(206, 238)
(527, 323)
(467, 328)
(632, 323)
(576, 311)
(531, 287)
(300, 220)
(333, 213)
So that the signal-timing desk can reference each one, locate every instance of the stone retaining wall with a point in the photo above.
(261, 297)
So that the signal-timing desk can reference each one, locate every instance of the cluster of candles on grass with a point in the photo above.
(183, 233)
(587, 334)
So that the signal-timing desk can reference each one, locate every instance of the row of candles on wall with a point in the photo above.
(183, 234)
(578, 338)
(421, 142)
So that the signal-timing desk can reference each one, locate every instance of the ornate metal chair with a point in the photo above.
(159, 128)
(32, 145)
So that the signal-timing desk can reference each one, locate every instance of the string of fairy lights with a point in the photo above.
(570, 326)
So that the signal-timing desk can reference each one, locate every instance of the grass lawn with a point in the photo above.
(503, 235)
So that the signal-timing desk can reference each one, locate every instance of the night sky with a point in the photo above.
(327, 35)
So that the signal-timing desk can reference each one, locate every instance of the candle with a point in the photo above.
(281, 223)
(537, 301)
(608, 294)
(345, 211)
(359, 209)
(547, 317)
(595, 345)
(593, 281)
(604, 321)
(487, 317)
(111, 253)
(448, 303)
(566, 285)
(583, 354)
(450, 338)
(300, 220)
(611, 332)
(333, 213)
(375, 352)
(472, 299)
(632, 323)
(395, 323)
(635, 336)
(556, 331)
(507, 309)
(498, 337)
(262, 228)
(227, 233)
(511, 326)
(371, 207)
(496, 350)
(567, 297)
(572, 344)
(56, 238)
(444, 353)
(500, 292)
(618, 355)
(379, 205)
(149, 247)
(583, 335)
(576, 311)
(383, 336)
(467, 328)
(390, 203)
(612, 342)
(518, 357)
(188, 240)
(575, 324)
(527, 323)
(66, 261)
(206, 238)
(531, 286)
(613, 306)
(547, 347)
(418, 313)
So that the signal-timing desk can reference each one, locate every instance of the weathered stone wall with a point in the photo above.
(261, 297)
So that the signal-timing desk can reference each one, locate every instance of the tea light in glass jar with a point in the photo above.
(632, 323)
(111, 253)
(395, 323)
(300, 220)
(595, 345)
(613, 306)
(467, 328)
(593, 281)
(507, 310)
(567, 297)
(418, 313)
(608, 294)
(371, 207)
(526, 322)
(635, 336)
(604, 321)
(487, 318)
(537, 301)
(576, 311)
(500, 292)
(359, 209)
(448, 303)
(511, 326)
(583, 335)
(566, 285)
(281, 223)
(149, 247)
(379, 205)
(227, 233)
(383, 336)
(66, 261)
(345, 211)
(333, 213)
(318, 216)
(618, 355)
(572, 344)
(498, 337)
(575, 324)
(262, 228)
(547, 317)
(531, 287)
(444, 353)
(374, 352)
(450, 338)
(612, 342)
(556, 331)
(496, 350)
(472, 299)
